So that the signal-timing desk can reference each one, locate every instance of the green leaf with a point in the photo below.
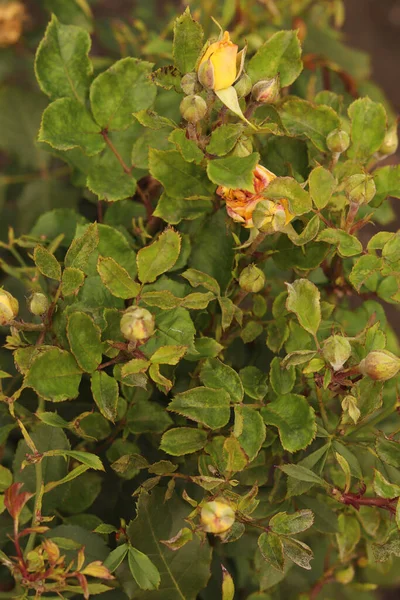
(197, 278)
(388, 451)
(298, 552)
(72, 281)
(215, 374)
(309, 232)
(183, 440)
(271, 548)
(47, 263)
(82, 247)
(347, 245)
(224, 138)
(387, 182)
(348, 536)
(143, 570)
(175, 210)
(173, 328)
(179, 178)
(105, 394)
(153, 120)
(84, 337)
(368, 128)
(289, 524)
(383, 487)
(234, 457)
(304, 300)
(301, 118)
(234, 171)
(279, 55)
(86, 458)
(204, 405)
(116, 279)
(115, 558)
(295, 420)
(123, 89)
(188, 148)
(62, 65)
(159, 257)
(288, 188)
(107, 180)
(322, 184)
(6, 478)
(254, 382)
(282, 379)
(303, 474)
(179, 578)
(54, 375)
(298, 357)
(249, 430)
(147, 417)
(365, 266)
(168, 355)
(168, 78)
(228, 587)
(76, 472)
(74, 12)
(66, 124)
(188, 42)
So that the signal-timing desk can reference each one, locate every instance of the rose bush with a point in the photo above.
(199, 382)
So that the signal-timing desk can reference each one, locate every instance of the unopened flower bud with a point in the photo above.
(137, 324)
(217, 516)
(35, 561)
(345, 576)
(193, 108)
(360, 188)
(337, 351)
(338, 141)
(9, 307)
(266, 91)
(221, 64)
(38, 304)
(380, 365)
(244, 147)
(243, 86)
(252, 279)
(190, 84)
(270, 217)
(390, 142)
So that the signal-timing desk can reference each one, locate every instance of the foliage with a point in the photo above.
(197, 370)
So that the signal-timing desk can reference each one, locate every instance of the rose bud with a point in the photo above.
(193, 108)
(9, 307)
(338, 141)
(221, 64)
(390, 142)
(190, 84)
(380, 365)
(360, 188)
(337, 351)
(267, 91)
(252, 279)
(12, 17)
(137, 324)
(38, 304)
(217, 516)
(270, 217)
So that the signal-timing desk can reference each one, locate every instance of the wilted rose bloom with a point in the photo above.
(221, 64)
(12, 16)
(240, 204)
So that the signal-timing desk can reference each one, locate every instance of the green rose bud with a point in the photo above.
(137, 324)
(390, 142)
(360, 189)
(336, 351)
(338, 141)
(193, 108)
(346, 575)
(380, 365)
(252, 279)
(266, 91)
(270, 217)
(243, 86)
(190, 84)
(217, 516)
(9, 307)
(38, 304)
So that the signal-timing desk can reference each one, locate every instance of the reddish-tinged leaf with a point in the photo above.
(14, 501)
(97, 569)
(84, 585)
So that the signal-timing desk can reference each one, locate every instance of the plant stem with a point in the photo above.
(37, 507)
(259, 239)
(28, 326)
(113, 149)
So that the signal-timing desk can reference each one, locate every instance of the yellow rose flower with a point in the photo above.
(8, 307)
(240, 204)
(221, 64)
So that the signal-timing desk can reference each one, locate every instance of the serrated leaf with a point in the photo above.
(298, 552)
(180, 178)
(309, 232)
(368, 128)
(84, 337)
(252, 432)
(117, 279)
(183, 440)
(82, 247)
(304, 300)
(144, 572)
(235, 458)
(301, 118)
(234, 171)
(271, 548)
(54, 375)
(287, 188)
(279, 55)
(66, 124)
(383, 487)
(303, 474)
(204, 405)
(159, 257)
(72, 281)
(282, 378)
(197, 278)
(364, 268)
(295, 420)
(47, 263)
(348, 536)
(115, 558)
(348, 245)
(322, 184)
(188, 148)
(105, 394)
(224, 138)
(168, 355)
(62, 66)
(215, 374)
(188, 42)
(289, 524)
(123, 89)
